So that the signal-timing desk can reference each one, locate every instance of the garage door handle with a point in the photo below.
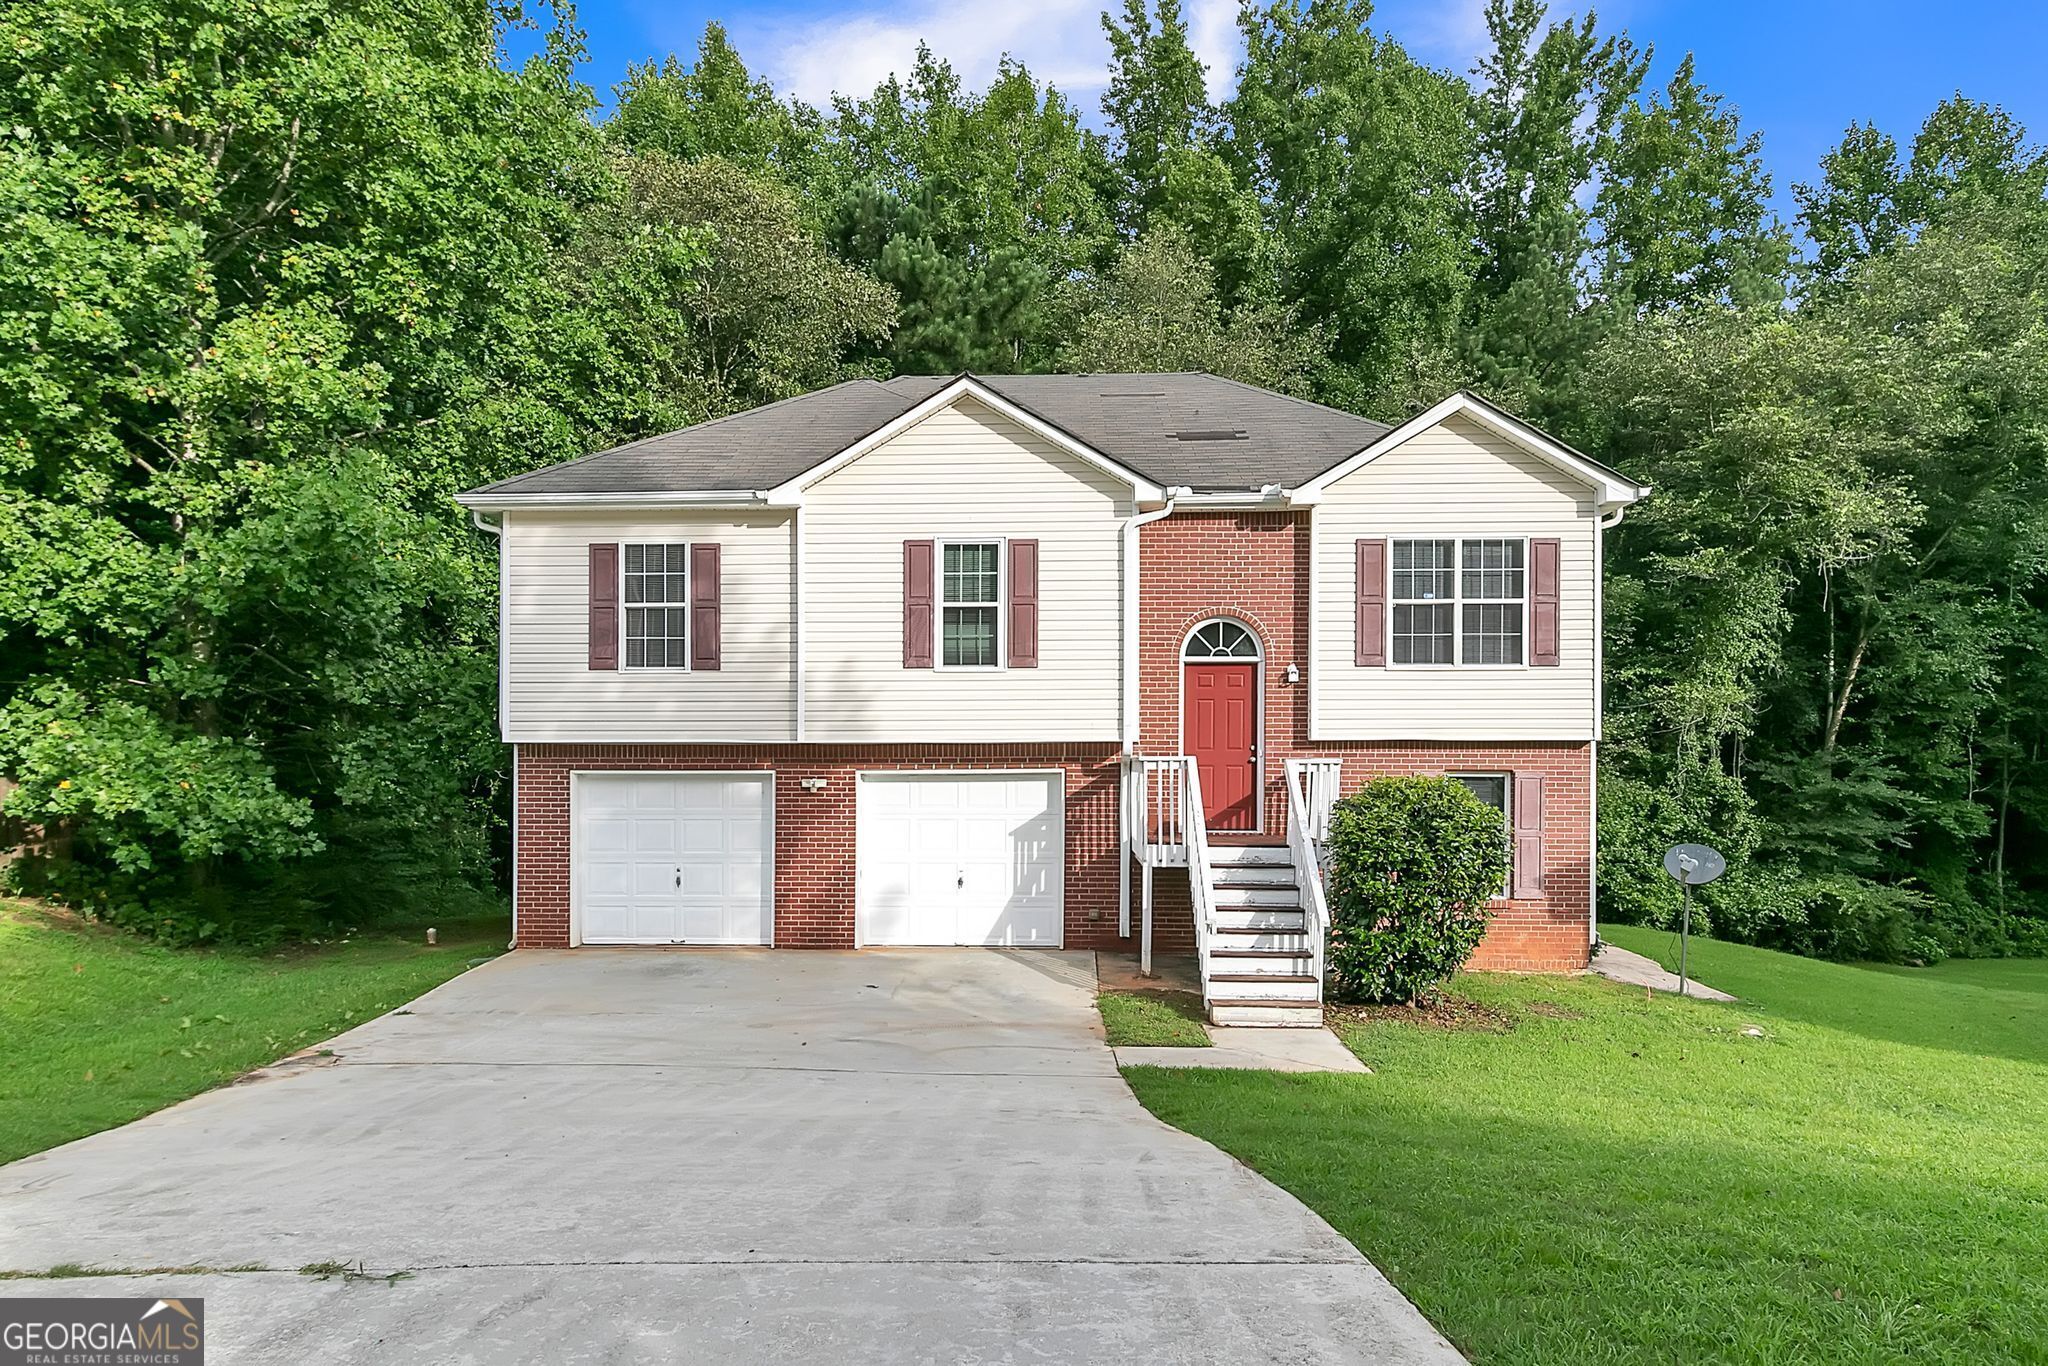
(679, 877)
(959, 879)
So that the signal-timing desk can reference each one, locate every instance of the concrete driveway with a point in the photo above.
(889, 1156)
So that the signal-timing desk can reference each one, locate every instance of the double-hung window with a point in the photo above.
(1493, 790)
(970, 604)
(657, 601)
(1459, 601)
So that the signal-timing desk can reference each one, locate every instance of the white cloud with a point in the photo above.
(1212, 32)
(851, 51)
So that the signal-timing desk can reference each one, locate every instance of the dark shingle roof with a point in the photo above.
(1196, 430)
(1201, 431)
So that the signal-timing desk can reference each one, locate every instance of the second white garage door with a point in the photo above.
(961, 858)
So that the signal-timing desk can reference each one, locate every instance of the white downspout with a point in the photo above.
(497, 529)
(1128, 721)
(1606, 522)
(1130, 586)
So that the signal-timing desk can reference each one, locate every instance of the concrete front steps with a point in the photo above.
(1261, 967)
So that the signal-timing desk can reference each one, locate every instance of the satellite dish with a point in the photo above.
(1694, 864)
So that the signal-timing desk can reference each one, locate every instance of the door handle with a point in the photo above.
(679, 877)
(959, 879)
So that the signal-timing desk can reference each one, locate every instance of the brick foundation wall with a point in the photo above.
(1254, 567)
(814, 831)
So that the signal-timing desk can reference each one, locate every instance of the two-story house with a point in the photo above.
(1059, 660)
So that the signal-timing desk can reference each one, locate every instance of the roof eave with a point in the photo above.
(483, 500)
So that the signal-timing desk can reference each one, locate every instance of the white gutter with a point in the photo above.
(1272, 496)
(505, 502)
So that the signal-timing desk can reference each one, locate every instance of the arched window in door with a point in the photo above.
(1221, 640)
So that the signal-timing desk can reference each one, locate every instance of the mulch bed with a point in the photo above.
(1445, 1012)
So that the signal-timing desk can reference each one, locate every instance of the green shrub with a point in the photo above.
(1413, 864)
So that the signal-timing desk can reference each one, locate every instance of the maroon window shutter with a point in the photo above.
(1543, 603)
(1528, 879)
(1372, 605)
(917, 604)
(705, 593)
(1023, 604)
(604, 607)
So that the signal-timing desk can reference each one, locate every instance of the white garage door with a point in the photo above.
(961, 858)
(672, 858)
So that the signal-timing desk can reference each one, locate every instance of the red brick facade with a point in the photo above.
(1254, 567)
(1250, 566)
(814, 844)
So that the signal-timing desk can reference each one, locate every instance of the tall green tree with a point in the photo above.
(715, 107)
(763, 309)
(1156, 104)
(262, 262)
(1166, 145)
(1868, 200)
(955, 311)
(1010, 166)
(1684, 206)
(1830, 608)
(1156, 309)
(1550, 100)
(1358, 152)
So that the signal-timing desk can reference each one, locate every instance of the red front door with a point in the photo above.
(1219, 728)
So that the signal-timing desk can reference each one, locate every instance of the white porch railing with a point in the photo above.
(1162, 812)
(1199, 890)
(1318, 780)
(1308, 825)
(1155, 789)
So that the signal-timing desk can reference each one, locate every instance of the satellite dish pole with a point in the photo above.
(1693, 865)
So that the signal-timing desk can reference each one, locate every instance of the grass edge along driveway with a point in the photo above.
(98, 1028)
(1593, 1176)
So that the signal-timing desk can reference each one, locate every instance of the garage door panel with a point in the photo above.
(647, 794)
(960, 858)
(703, 835)
(653, 880)
(674, 858)
(654, 836)
(607, 919)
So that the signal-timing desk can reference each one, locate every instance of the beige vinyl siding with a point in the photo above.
(1455, 480)
(964, 473)
(553, 695)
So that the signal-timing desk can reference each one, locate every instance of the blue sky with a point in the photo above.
(1800, 70)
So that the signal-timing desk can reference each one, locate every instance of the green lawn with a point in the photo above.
(98, 1028)
(1619, 1179)
(1152, 1019)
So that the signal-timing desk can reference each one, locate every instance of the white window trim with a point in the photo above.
(690, 630)
(1507, 815)
(1001, 604)
(1458, 601)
